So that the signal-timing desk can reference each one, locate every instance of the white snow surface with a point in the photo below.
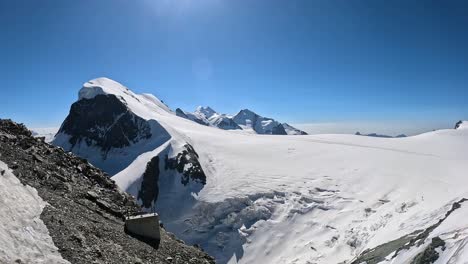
(107, 86)
(23, 235)
(301, 199)
(463, 125)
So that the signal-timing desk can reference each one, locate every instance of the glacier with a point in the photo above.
(296, 199)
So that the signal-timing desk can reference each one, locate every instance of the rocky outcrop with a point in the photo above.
(179, 112)
(105, 131)
(85, 207)
(277, 130)
(149, 190)
(430, 254)
(184, 165)
(187, 164)
(104, 121)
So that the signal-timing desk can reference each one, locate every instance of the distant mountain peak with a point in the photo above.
(379, 135)
(206, 111)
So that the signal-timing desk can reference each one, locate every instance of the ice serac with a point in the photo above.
(206, 111)
(261, 125)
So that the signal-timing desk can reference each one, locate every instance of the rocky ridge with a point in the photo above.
(85, 208)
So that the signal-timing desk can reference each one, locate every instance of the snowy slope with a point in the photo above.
(23, 236)
(461, 125)
(290, 130)
(300, 199)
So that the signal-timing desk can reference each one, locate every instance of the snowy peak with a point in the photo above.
(140, 103)
(206, 111)
(461, 125)
(209, 117)
(244, 120)
(200, 119)
(110, 118)
(245, 117)
(260, 124)
(104, 86)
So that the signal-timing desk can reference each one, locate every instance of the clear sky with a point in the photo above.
(401, 63)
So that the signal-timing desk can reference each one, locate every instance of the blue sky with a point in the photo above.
(401, 63)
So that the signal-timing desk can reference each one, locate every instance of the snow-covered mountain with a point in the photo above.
(380, 135)
(248, 198)
(209, 117)
(245, 120)
(261, 125)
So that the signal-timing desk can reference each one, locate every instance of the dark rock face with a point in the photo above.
(104, 121)
(181, 113)
(85, 207)
(458, 124)
(149, 186)
(430, 255)
(278, 130)
(186, 163)
(227, 124)
(256, 122)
